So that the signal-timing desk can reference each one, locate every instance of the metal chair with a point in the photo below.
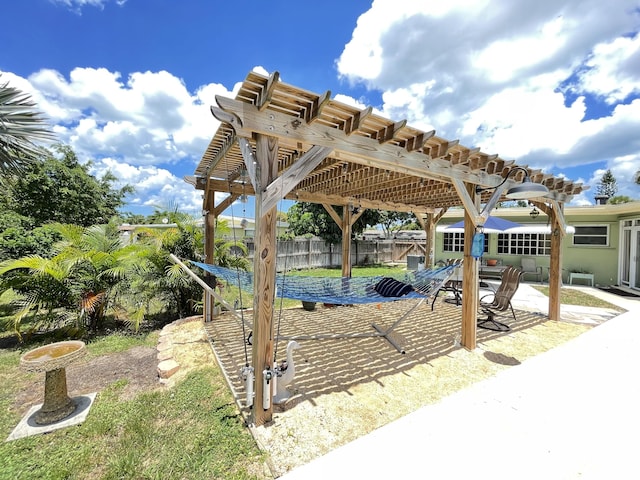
(452, 285)
(501, 301)
(529, 267)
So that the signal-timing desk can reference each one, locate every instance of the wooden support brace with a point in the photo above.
(249, 161)
(279, 188)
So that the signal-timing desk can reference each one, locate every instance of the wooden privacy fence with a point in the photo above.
(303, 253)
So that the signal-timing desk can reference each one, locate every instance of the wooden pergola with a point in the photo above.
(278, 141)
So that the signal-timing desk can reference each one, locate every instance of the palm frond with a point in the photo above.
(99, 237)
(21, 126)
(91, 300)
(36, 265)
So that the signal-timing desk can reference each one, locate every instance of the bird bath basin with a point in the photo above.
(52, 359)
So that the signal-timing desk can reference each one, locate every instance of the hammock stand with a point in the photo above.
(335, 290)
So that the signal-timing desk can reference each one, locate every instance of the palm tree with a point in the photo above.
(161, 279)
(21, 126)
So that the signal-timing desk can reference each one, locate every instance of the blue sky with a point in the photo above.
(128, 84)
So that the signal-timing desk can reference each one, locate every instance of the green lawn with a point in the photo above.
(192, 431)
(571, 296)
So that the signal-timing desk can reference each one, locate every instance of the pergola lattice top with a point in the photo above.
(374, 162)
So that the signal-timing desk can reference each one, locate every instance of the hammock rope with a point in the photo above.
(340, 290)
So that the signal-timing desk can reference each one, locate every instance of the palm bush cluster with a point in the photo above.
(79, 284)
(92, 275)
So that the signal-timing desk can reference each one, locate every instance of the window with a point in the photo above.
(454, 242)
(524, 243)
(594, 235)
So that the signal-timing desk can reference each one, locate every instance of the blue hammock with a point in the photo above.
(341, 290)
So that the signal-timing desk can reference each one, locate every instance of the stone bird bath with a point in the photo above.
(53, 359)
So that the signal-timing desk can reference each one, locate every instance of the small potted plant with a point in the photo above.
(308, 306)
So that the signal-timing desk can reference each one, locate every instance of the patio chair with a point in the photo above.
(529, 268)
(500, 301)
(453, 285)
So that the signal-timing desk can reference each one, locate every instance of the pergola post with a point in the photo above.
(264, 268)
(427, 222)
(209, 243)
(345, 223)
(346, 241)
(555, 265)
(470, 283)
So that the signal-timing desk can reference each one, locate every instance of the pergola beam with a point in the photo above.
(293, 131)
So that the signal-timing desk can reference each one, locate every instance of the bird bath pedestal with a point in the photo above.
(52, 359)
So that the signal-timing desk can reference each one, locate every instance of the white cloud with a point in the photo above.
(553, 84)
(134, 127)
(149, 119)
(77, 5)
(154, 187)
(612, 70)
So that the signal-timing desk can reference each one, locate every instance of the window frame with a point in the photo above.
(457, 242)
(524, 244)
(606, 236)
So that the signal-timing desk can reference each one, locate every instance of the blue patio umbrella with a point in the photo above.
(492, 225)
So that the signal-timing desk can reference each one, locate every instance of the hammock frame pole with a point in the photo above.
(204, 285)
(386, 332)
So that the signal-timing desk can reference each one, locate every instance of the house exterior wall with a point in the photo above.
(601, 261)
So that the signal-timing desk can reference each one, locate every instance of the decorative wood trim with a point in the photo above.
(315, 112)
(354, 122)
(386, 134)
(267, 92)
(355, 148)
(562, 223)
(224, 204)
(356, 216)
(468, 203)
(226, 117)
(440, 214)
(250, 161)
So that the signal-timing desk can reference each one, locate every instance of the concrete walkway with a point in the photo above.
(572, 412)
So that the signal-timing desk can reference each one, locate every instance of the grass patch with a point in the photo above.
(191, 431)
(571, 296)
(371, 271)
(120, 342)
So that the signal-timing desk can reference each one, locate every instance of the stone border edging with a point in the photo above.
(167, 365)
